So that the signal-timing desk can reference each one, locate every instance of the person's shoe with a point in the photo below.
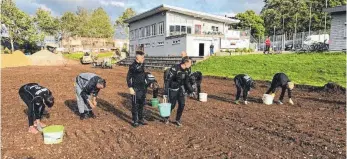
(280, 102)
(33, 130)
(142, 122)
(91, 114)
(178, 123)
(135, 125)
(237, 102)
(166, 121)
(84, 116)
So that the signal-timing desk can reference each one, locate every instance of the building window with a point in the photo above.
(172, 29)
(189, 29)
(161, 43)
(183, 29)
(136, 34)
(131, 47)
(161, 28)
(153, 44)
(177, 30)
(345, 31)
(153, 30)
(217, 29)
(142, 31)
(148, 31)
(213, 28)
(174, 42)
(148, 45)
(197, 29)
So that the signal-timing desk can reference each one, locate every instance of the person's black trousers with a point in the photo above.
(239, 90)
(138, 101)
(174, 97)
(267, 48)
(34, 111)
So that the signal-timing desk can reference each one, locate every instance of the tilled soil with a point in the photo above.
(313, 128)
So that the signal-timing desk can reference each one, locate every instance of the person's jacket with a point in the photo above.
(136, 77)
(244, 81)
(87, 82)
(267, 42)
(178, 78)
(40, 95)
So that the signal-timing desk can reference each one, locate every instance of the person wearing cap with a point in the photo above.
(243, 83)
(281, 80)
(87, 87)
(151, 82)
(178, 87)
(36, 97)
(136, 80)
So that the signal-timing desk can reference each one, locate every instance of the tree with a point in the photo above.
(46, 24)
(20, 25)
(100, 24)
(83, 18)
(68, 24)
(275, 12)
(251, 19)
(128, 13)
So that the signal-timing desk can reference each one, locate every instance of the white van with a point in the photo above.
(317, 38)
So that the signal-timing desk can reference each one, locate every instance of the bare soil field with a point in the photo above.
(314, 127)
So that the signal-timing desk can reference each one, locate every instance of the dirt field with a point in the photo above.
(313, 128)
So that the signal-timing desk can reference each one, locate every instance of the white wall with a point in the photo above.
(193, 45)
(174, 49)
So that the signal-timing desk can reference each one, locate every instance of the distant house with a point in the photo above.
(338, 28)
(167, 30)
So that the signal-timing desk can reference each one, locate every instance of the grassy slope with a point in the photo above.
(310, 69)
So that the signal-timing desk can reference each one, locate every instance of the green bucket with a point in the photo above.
(53, 134)
(155, 102)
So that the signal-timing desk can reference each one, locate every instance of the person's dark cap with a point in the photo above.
(102, 81)
(185, 59)
(139, 52)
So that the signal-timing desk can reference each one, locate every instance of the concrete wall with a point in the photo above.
(174, 48)
(154, 49)
(193, 45)
(338, 32)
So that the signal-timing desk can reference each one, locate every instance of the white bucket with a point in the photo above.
(53, 134)
(203, 97)
(268, 99)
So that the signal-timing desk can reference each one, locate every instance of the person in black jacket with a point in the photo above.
(87, 85)
(195, 80)
(136, 80)
(152, 83)
(281, 80)
(243, 83)
(36, 97)
(178, 86)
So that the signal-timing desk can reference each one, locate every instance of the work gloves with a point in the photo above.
(131, 91)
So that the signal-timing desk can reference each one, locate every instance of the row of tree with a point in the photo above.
(286, 15)
(25, 30)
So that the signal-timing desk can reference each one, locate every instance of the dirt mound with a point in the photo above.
(334, 88)
(47, 58)
(15, 59)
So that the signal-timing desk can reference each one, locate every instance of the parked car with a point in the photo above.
(87, 58)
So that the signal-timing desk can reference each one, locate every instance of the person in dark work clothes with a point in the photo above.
(178, 86)
(87, 85)
(211, 49)
(36, 97)
(136, 80)
(243, 83)
(281, 80)
(152, 83)
(195, 80)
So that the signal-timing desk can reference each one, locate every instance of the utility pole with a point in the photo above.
(274, 39)
(325, 19)
(309, 27)
(283, 36)
(296, 22)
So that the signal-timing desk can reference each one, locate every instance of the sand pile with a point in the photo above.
(15, 59)
(47, 58)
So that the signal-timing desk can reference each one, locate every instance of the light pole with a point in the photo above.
(274, 37)
(283, 36)
(309, 27)
(325, 19)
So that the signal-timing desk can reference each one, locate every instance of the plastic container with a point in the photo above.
(165, 109)
(203, 97)
(155, 102)
(268, 99)
(53, 134)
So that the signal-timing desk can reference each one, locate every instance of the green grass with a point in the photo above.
(309, 69)
(78, 55)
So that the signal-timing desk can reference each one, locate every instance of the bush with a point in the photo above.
(237, 50)
(7, 51)
(244, 50)
(227, 50)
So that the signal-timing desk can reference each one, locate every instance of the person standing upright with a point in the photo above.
(267, 45)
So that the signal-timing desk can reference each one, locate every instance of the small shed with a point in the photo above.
(338, 28)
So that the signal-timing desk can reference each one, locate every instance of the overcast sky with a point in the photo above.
(115, 7)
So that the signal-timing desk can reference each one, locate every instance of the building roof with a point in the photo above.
(165, 7)
(336, 9)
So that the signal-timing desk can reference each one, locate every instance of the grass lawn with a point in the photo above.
(311, 69)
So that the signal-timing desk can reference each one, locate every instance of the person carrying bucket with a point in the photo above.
(178, 86)
(136, 80)
(281, 80)
(87, 87)
(243, 83)
(36, 97)
(152, 83)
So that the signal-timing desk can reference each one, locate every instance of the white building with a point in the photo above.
(167, 31)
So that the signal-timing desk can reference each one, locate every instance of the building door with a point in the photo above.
(201, 49)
